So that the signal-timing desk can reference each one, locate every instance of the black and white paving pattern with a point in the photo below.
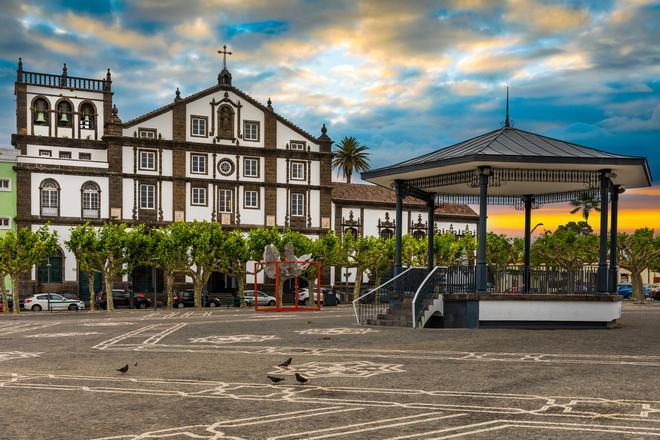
(202, 375)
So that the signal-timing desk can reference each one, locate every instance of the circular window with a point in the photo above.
(226, 167)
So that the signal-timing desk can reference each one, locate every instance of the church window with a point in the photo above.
(147, 196)
(198, 126)
(5, 222)
(198, 196)
(147, 133)
(297, 204)
(65, 155)
(5, 184)
(225, 200)
(226, 122)
(386, 234)
(147, 160)
(64, 114)
(91, 200)
(49, 198)
(87, 116)
(251, 199)
(297, 145)
(251, 167)
(198, 163)
(55, 269)
(419, 234)
(40, 112)
(45, 153)
(251, 131)
(85, 156)
(226, 167)
(297, 170)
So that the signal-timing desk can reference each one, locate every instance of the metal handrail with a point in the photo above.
(373, 290)
(419, 289)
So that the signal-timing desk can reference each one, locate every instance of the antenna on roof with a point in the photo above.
(507, 123)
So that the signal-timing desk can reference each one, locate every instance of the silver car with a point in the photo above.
(262, 298)
(41, 302)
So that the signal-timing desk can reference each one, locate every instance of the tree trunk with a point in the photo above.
(358, 283)
(15, 288)
(240, 280)
(3, 292)
(90, 286)
(638, 287)
(169, 281)
(280, 289)
(198, 285)
(107, 280)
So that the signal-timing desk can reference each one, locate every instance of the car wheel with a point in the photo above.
(73, 307)
(212, 304)
(271, 303)
(304, 302)
(180, 306)
(143, 305)
(36, 308)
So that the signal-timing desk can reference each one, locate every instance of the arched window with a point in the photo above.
(87, 116)
(226, 122)
(64, 114)
(386, 234)
(40, 112)
(91, 200)
(55, 269)
(49, 198)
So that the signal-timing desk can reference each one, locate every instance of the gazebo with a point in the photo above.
(525, 170)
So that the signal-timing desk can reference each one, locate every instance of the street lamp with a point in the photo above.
(153, 278)
(534, 228)
(48, 265)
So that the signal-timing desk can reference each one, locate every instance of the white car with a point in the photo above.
(303, 295)
(262, 298)
(40, 302)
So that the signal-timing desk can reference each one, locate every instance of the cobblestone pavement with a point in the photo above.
(202, 375)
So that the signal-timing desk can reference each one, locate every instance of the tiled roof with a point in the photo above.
(358, 193)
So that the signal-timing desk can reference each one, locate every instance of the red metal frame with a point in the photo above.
(279, 307)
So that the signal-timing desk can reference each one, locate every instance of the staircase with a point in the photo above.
(398, 314)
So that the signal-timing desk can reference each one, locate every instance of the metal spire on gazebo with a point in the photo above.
(509, 166)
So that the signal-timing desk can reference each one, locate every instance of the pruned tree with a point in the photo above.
(83, 243)
(23, 249)
(204, 253)
(367, 254)
(637, 252)
(170, 248)
(236, 256)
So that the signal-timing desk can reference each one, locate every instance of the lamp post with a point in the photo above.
(534, 228)
(347, 274)
(153, 278)
(48, 266)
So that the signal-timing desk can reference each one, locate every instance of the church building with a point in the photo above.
(217, 155)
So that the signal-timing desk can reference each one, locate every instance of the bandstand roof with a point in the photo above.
(522, 163)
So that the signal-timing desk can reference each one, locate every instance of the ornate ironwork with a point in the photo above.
(387, 227)
(351, 225)
(541, 199)
(418, 229)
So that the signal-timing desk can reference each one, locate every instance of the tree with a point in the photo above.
(447, 249)
(350, 156)
(636, 252)
(413, 251)
(170, 246)
(21, 250)
(236, 256)
(83, 244)
(585, 203)
(204, 253)
(371, 254)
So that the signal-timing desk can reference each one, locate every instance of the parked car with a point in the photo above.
(303, 295)
(10, 302)
(262, 298)
(625, 290)
(122, 298)
(70, 296)
(186, 298)
(42, 301)
(654, 291)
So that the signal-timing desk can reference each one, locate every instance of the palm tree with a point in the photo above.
(350, 156)
(585, 203)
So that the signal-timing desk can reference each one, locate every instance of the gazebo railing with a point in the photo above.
(391, 293)
(544, 280)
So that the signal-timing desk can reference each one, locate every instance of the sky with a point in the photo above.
(405, 78)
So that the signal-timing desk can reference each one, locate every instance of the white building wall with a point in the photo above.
(285, 135)
(281, 206)
(167, 201)
(162, 123)
(251, 216)
(128, 190)
(70, 195)
(70, 264)
(97, 155)
(315, 207)
(200, 213)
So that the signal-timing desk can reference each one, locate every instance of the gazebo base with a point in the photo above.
(529, 311)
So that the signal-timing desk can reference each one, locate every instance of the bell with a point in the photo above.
(41, 117)
(64, 117)
(87, 118)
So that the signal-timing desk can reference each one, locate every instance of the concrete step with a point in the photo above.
(390, 323)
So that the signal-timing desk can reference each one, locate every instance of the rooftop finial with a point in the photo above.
(108, 77)
(323, 129)
(270, 104)
(178, 95)
(19, 71)
(115, 111)
(64, 70)
(224, 53)
(507, 122)
(20, 63)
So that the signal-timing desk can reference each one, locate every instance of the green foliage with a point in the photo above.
(636, 252)
(367, 254)
(448, 249)
(169, 247)
(585, 203)
(84, 245)
(205, 254)
(350, 156)
(20, 251)
(569, 247)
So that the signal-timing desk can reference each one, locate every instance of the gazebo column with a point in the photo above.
(616, 189)
(481, 275)
(527, 267)
(602, 255)
(430, 230)
(398, 187)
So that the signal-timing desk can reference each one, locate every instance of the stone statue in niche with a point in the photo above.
(226, 122)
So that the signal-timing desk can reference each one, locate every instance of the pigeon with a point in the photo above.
(275, 379)
(327, 338)
(135, 364)
(286, 363)
(123, 369)
(302, 379)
